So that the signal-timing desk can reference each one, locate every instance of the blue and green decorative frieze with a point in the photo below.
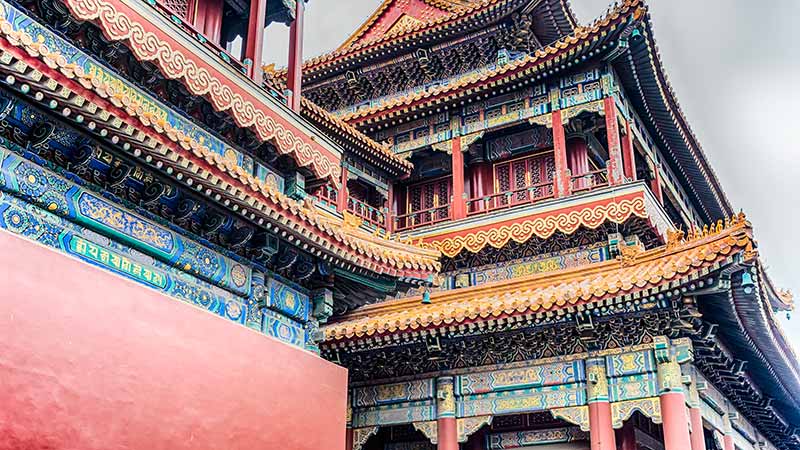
(49, 191)
(39, 205)
(627, 378)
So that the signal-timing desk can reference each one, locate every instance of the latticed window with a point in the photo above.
(431, 199)
(525, 179)
(182, 8)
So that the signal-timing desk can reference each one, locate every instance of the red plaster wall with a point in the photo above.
(89, 360)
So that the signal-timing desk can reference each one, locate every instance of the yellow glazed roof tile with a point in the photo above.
(633, 271)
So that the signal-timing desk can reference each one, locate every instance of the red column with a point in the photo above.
(628, 156)
(673, 415)
(562, 181)
(295, 76)
(447, 433)
(698, 440)
(447, 429)
(459, 205)
(255, 39)
(390, 209)
(655, 184)
(341, 196)
(727, 442)
(601, 432)
(348, 439)
(614, 150)
(727, 438)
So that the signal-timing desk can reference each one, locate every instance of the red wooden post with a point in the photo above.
(727, 438)
(614, 151)
(447, 429)
(698, 439)
(628, 156)
(390, 209)
(255, 39)
(341, 195)
(655, 184)
(601, 432)
(348, 439)
(562, 181)
(459, 205)
(676, 428)
(295, 77)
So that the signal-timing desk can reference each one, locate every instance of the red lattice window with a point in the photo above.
(182, 8)
(429, 201)
(525, 179)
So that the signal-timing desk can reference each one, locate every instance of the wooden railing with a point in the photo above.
(508, 199)
(422, 218)
(589, 181)
(370, 214)
(327, 196)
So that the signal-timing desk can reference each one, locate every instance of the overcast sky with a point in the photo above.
(735, 67)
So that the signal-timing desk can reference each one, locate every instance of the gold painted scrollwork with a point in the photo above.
(622, 411)
(429, 429)
(362, 435)
(576, 415)
(469, 425)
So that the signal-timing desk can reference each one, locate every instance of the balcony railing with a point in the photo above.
(369, 214)
(165, 10)
(422, 218)
(327, 196)
(509, 199)
(589, 181)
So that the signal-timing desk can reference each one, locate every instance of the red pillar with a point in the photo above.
(295, 77)
(348, 439)
(698, 440)
(255, 39)
(447, 433)
(459, 205)
(390, 209)
(727, 442)
(562, 181)
(341, 196)
(655, 184)
(447, 429)
(673, 415)
(601, 433)
(628, 156)
(614, 150)
(727, 438)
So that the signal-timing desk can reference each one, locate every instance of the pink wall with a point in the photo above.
(89, 360)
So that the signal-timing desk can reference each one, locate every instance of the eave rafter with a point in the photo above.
(570, 288)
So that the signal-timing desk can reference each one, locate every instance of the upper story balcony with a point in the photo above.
(541, 179)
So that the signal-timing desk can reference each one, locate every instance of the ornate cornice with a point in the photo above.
(119, 22)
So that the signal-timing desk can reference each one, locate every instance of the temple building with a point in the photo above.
(496, 219)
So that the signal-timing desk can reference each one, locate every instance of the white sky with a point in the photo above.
(734, 66)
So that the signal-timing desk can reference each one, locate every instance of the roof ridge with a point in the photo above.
(579, 33)
(352, 45)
